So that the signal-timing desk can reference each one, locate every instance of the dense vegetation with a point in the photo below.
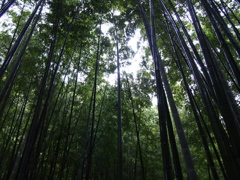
(62, 118)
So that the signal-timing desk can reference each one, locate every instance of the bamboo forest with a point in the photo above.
(120, 89)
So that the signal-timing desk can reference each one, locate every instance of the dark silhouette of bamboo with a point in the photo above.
(175, 154)
(3, 2)
(38, 142)
(16, 147)
(213, 11)
(58, 106)
(5, 146)
(8, 85)
(220, 134)
(225, 66)
(13, 74)
(47, 102)
(16, 29)
(20, 148)
(5, 6)
(160, 94)
(185, 149)
(33, 131)
(226, 102)
(16, 45)
(206, 101)
(42, 144)
(228, 18)
(80, 173)
(119, 142)
(229, 57)
(136, 129)
(224, 5)
(99, 118)
(190, 41)
(219, 86)
(89, 163)
(3, 105)
(204, 141)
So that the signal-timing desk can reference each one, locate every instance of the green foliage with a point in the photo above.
(52, 89)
